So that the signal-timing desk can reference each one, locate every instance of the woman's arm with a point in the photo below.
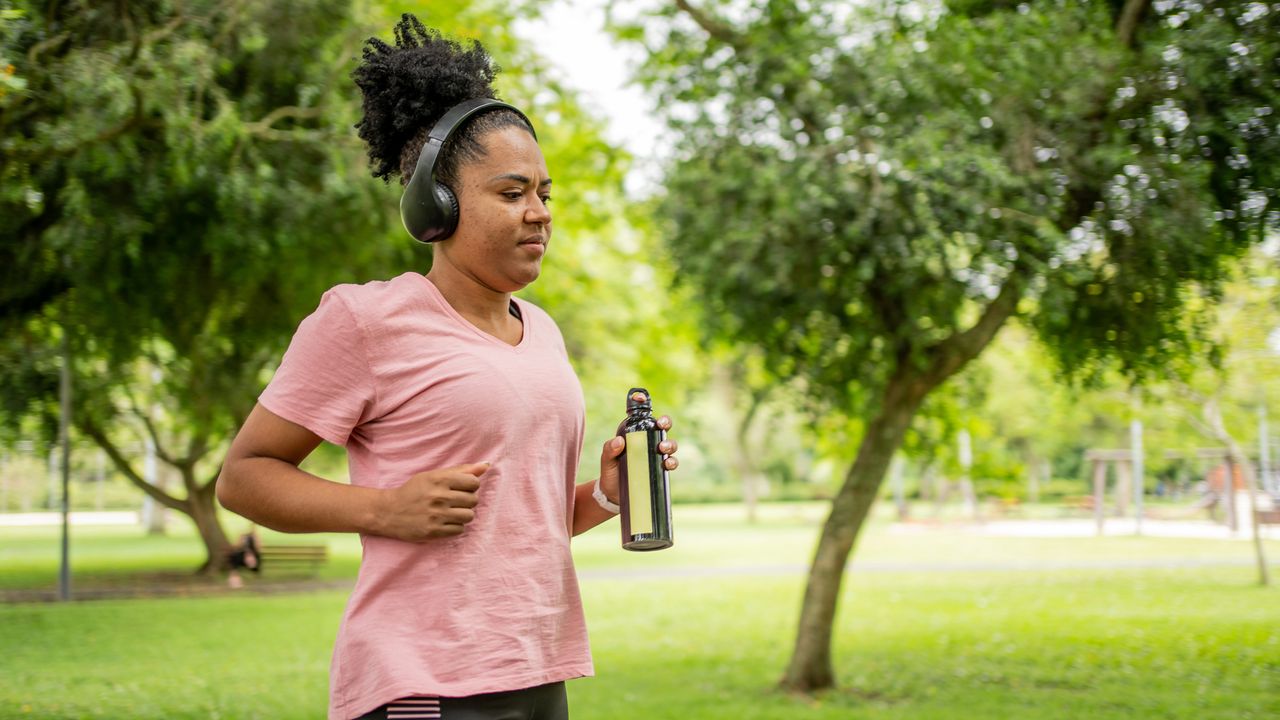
(261, 480)
(587, 513)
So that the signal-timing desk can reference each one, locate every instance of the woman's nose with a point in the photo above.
(538, 213)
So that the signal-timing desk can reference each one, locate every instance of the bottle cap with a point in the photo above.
(633, 404)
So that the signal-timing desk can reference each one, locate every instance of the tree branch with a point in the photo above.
(234, 13)
(1196, 423)
(135, 41)
(150, 429)
(152, 433)
(134, 120)
(299, 135)
(722, 32)
(34, 53)
(1127, 24)
(714, 28)
(196, 449)
(165, 31)
(91, 428)
(280, 113)
(210, 485)
(952, 353)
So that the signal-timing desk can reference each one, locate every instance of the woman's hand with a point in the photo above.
(614, 447)
(434, 504)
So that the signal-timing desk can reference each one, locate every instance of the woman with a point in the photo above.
(462, 418)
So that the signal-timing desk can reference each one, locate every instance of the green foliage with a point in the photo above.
(606, 277)
(854, 186)
(180, 183)
(181, 186)
(1023, 415)
(866, 194)
(1246, 377)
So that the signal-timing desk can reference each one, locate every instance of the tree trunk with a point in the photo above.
(200, 504)
(1236, 457)
(1130, 17)
(811, 667)
(204, 511)
(746, 463)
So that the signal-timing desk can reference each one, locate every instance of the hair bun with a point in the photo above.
(410, 85)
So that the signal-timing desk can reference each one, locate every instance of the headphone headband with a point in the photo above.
(428, 209)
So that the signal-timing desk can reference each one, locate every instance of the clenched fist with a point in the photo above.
(433, 504)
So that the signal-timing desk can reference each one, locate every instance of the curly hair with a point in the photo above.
(411, 85)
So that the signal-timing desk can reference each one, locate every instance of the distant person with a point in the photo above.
(245, 555)
(462, 418)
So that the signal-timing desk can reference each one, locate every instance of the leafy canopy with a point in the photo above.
(856, 185)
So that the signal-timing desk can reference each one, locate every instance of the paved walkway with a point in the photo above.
(1064, 527)
(913, 567)
(204, 589)
(78, 517)
(1087, 527)
(1048, 528)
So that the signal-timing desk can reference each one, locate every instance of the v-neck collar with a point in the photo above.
(521, 308)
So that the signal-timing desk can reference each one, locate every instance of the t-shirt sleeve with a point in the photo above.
(324, 383)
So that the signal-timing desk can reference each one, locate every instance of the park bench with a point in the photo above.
(293, 559)
(1078, 502)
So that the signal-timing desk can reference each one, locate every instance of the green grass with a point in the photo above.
(1198, 642)
(1038, 645)
(706, 536)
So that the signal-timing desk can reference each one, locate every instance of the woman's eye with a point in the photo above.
(546, 199)
(512, 194)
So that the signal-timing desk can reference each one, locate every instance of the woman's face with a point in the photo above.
(504, 225)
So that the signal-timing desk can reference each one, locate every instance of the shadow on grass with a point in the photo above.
(171, 583)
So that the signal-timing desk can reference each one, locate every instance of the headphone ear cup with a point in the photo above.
(428, 209)
(447, 203)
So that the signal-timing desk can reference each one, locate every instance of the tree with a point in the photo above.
(167, 174)
(868, 193)
(180, 183)
(1219, 403)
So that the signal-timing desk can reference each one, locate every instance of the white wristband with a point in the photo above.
(603, 501)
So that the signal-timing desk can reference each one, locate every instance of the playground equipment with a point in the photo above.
(1100, 461)
(1232, 476)
(1227, 487)
(1129, 477)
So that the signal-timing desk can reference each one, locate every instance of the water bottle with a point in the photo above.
(644, 486)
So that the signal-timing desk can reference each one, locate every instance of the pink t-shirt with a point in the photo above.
(391, 371)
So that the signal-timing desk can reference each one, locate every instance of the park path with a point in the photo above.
(857, 567)
(183, 586)
(179, 589)
(77, 517)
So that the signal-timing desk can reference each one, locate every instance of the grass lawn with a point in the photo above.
(912, 642)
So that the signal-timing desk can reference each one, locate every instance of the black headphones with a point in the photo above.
(429, 209)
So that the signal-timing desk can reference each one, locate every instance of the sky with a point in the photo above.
(572, 37)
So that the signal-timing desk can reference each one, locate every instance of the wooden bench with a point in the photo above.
(294, 559)
(1078, 502)
(1268, 517)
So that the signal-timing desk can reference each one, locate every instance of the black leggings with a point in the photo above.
(544, 702)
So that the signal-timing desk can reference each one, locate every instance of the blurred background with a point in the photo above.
(968, 314)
